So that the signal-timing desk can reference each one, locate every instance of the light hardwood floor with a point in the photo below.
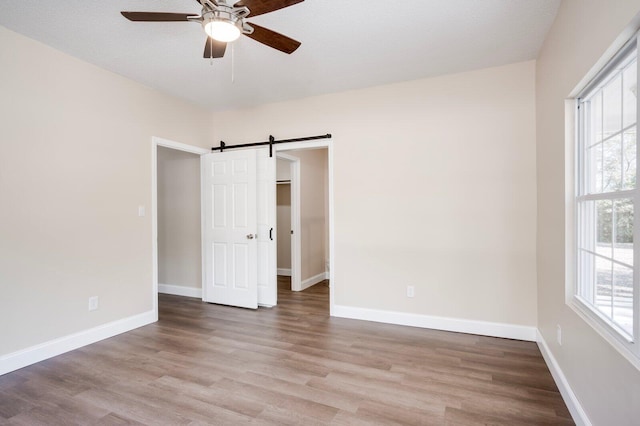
(293, 364)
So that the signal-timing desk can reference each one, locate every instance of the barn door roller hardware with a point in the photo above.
(270, 142)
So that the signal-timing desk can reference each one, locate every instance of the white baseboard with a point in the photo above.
(575, 408)
(284, 272)
(37, 353)
(485, 328)
(314, 280)
(179, 290)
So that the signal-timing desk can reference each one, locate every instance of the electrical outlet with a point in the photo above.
(410, 291)
(93, 303)
(559, 334)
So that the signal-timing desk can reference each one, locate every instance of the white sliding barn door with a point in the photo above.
(238, 211)
(267, 247)
(229, 243)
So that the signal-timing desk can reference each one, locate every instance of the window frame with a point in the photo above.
(627, 345)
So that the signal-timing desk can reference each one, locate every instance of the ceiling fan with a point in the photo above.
(224, 23)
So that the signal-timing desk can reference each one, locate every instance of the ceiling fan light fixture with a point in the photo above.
(222, 30)
(224, 22)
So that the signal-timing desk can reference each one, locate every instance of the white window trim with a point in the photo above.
(607, 330)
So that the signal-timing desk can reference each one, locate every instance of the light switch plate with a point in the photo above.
(410, 291)
(93, 303)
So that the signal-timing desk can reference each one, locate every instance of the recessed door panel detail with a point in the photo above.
(263, 202)
(219, 265)
(219, 168)
(240, 205)
(219, 207)
(239, 166)
(241, 266)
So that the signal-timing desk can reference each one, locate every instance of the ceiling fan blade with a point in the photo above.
(214, 48)
(260, 7)
(273, 39)
(157, 16)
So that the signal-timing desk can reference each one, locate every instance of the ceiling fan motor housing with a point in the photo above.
(223, 14)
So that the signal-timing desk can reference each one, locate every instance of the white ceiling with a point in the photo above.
(345, 44)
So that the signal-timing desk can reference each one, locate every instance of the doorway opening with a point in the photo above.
(288, 220)
(303, 249)
(176, 198)
(262, 233)
(179, 258)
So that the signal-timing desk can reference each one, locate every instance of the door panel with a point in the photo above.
(266, 218)
(230, 213)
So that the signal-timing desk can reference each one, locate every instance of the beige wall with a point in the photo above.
(434, 187)
(75, 164)
(607, 386)
(179, 245)
(283, 213)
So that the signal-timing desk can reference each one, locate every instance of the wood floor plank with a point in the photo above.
(214, 408)
(273, 398)
(434, 403)
(12, 404)
(390, 413)
(116, 420)
(211, 395)
(123, 405)
(340, 402)
(282, 416)
(204, 364)
(345, 418)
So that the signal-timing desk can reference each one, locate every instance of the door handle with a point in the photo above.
(271, 234)
(249, 236)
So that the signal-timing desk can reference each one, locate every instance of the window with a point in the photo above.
(606, 287)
